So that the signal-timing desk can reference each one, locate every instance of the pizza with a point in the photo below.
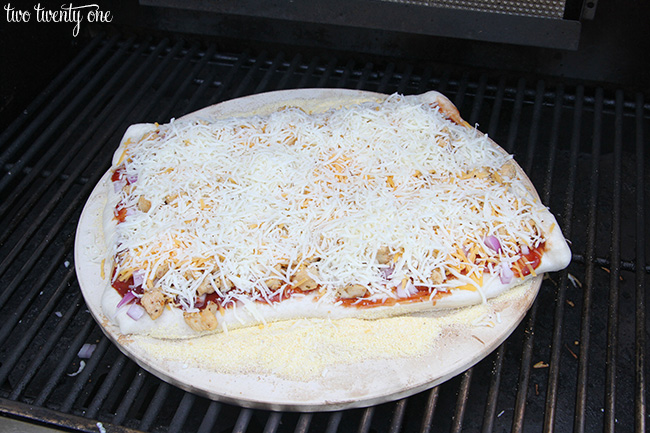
(328, 208)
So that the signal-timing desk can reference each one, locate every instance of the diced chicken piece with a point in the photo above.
(161, 270)
(153, 302)
(205, 287)
(436, 277)
(352, 291)
(383, 255)
(224, 284)
(275, 283)
(302, 280)
(204, 320)
(143, 204)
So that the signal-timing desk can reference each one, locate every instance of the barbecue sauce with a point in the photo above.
(530, 261)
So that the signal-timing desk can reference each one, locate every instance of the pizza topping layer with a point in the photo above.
(380, 202)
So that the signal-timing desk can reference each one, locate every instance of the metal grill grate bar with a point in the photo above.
(366, 420)
(154, 407)
(333, 422)
(273, 423)
(242, 421)
(182, 412)
(461, 401)
(113, 374)
(427, 419)
(525, 371)
(534, 129)
(210, 418)
(612, 316)
(248, 78)
(264, 82)
(640, 293)
(493, 391)
(129, 397)
(291, 70)
(581, 398)
(398, 416)
(478, 100)
(303, 423)
(496, 108)
(515, 121)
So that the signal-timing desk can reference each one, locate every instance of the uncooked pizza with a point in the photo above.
(385, 207)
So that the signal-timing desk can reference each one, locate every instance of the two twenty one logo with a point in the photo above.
(65, 14)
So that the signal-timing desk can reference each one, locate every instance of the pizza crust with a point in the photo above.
(171, 323)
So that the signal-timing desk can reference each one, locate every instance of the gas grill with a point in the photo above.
(577, 362)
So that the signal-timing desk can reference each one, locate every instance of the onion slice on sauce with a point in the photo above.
(407, 291)
(118, 185)
(127, 299)
(200, 301)
(138, 278)
(505, 274)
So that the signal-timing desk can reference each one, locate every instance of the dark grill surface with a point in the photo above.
(576, 363)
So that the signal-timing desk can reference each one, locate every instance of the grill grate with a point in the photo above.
(584, 148)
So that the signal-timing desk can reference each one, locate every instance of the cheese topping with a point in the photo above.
(378, 198)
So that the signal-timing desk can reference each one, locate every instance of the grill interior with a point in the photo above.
(576, 363)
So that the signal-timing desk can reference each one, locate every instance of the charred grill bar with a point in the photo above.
(576, 363)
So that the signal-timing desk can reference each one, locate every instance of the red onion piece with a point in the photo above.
(127, 299)
(200, 301)
(387, 272)
(118, 185)
(506, 274)
(135, 312)
(86, 350)
(525, 250)
(138, 278)
(493, 243)
(132, 179)
(407, 291)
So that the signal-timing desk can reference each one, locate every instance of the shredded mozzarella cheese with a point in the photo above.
(232, 199)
